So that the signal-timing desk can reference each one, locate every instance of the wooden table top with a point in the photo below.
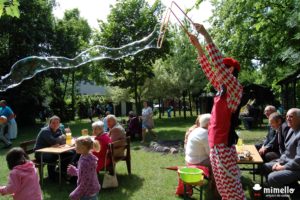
(254, 153)
(56, 150)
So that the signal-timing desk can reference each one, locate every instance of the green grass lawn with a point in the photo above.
(148, 180)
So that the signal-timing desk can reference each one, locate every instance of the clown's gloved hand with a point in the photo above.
(222, 90)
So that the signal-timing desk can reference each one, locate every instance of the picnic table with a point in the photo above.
(256, 160)
(54, 150)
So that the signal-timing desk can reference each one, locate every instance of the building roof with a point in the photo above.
(90, 89)
(290, 78)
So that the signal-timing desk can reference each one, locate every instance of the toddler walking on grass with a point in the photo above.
(23, 181)
(88, 185)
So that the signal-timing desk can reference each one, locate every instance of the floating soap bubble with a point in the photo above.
(28, 67)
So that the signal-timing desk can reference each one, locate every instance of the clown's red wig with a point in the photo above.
(230, 62)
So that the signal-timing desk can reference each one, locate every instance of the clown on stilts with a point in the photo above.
(224, 116)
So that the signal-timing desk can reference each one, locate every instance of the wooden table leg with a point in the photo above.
(185, 196)
(253, 172)
(201, 192)
(59, 166)
(42, 170)
(261, 176)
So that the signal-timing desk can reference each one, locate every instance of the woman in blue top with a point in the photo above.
(11, 122)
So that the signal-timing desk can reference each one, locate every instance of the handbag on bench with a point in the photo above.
(109, 181)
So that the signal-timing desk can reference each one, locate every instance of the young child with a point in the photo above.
(23, 180)
(88, 185)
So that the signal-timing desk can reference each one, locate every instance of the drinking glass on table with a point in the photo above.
(68, 137)
(240, 143)
(84, 132)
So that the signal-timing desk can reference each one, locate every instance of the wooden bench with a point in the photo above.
(120, 151)
(28, 147)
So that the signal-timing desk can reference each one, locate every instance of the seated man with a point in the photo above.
(52, 136)
(134, 127)
(197, 149)
(281, 129)
(286, 170)
(104, 140)
(116, 131)
(248, 113)
(268, 144)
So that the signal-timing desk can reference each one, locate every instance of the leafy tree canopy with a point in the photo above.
(10, 8)
(262, 34)
(128, 21)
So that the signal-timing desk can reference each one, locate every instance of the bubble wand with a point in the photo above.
(164, 25)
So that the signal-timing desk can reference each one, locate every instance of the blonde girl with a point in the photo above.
(88, 185)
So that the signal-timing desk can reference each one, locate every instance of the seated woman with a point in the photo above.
(134, 127)
(187, 133)
(49, 136)
(197, 149)
(104, 140)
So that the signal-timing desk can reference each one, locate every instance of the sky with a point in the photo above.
(99, 9)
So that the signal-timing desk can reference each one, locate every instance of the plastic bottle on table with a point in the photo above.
(69, 139)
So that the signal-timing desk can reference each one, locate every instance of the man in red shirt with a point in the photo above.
(223, 77)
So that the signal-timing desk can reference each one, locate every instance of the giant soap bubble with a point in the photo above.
(28, 67)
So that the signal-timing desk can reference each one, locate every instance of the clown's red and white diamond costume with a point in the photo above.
(223, 157)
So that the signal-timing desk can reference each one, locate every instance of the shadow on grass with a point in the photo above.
(52, 190)
(128, 184)
(248, 184)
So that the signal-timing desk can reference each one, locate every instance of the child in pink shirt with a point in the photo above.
(23, 181)
(88, 185)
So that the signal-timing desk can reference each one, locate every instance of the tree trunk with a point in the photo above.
(197, 105)
(174, 108)
(162, 107)
(159, 107)
(179, 107)
(66, 85)
(137, 105)
(73, 92)
(184, 105)
(190, 102)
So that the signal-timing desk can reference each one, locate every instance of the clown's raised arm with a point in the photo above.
(223, 77)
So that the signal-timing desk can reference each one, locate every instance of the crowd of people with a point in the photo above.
(283, 167)
(281, 148)
(210, 142)
(84, 163)
(88, 158)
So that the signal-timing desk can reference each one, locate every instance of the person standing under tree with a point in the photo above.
(90, 113)
(11, 122)
(224, 116)
(147, 121)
